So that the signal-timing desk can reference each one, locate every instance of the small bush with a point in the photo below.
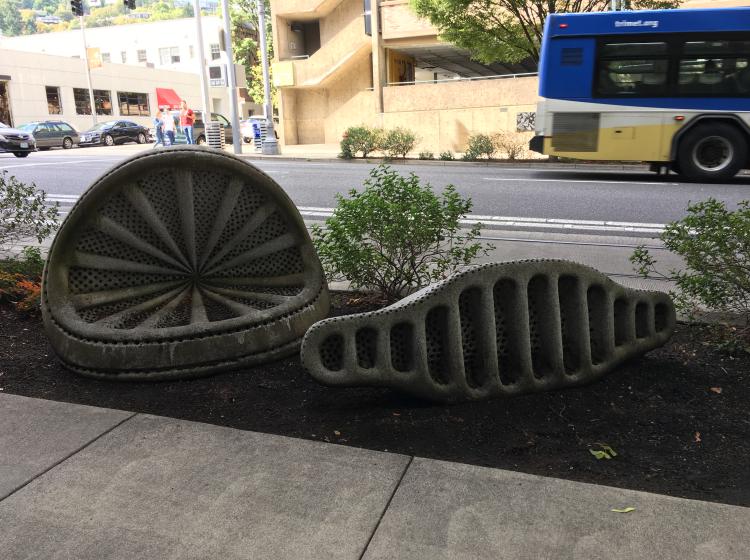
(715, 245)
(480, 145)
(360, 139)
(397, 142)
(447, 156)
(20, 280)
(426, 155)
(23, 212)
(512, 144)
(396, 236)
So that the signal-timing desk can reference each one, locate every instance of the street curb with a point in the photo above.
(457, 163)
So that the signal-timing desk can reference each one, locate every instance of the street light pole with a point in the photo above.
(88, 71)
(232, 79)
(201, 61)
(270, 146)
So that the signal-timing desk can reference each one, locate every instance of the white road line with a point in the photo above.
(35, 164)
(530, 180)
(487, 221)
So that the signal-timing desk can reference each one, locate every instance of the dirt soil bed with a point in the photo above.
(678, 418)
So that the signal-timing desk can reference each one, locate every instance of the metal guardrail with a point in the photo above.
(469, 79)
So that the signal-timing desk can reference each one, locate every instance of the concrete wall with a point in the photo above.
(30, 73)
(400, 21)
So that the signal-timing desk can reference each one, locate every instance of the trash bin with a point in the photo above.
(215, 135)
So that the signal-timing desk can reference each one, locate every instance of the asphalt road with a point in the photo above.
(607, 202)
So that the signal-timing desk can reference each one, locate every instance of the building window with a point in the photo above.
(124, 56)
(53, 100)
(142, 55)
(133, 104)
(169, 55)
(103, 102)
(215, 51)
(106, 57)
(82, 101)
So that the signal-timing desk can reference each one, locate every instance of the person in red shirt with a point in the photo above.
(186, 121)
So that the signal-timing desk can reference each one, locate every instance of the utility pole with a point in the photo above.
(201, 62)
(88, 71)
(270, 146)
(232, 79)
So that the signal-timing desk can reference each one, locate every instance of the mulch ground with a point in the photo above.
(677, 418)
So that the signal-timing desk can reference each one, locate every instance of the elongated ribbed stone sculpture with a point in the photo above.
(180, 262)
(492, 330)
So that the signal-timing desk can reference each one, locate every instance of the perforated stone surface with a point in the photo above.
(492, 330)
(178, 263)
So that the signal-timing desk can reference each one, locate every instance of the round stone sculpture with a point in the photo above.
(179, 263)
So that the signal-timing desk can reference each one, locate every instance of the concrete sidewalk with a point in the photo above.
(88, 483)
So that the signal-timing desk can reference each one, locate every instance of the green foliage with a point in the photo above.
(397, 142)
(426, 155)
(396, 236)
(480, 145)
(447, 156)
(10, 17)
(246, 43)
(506, 30)
(715, 245)
(23, 212)
(360, 139)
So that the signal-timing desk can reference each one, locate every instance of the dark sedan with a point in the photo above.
(18, 142)
(110, 133)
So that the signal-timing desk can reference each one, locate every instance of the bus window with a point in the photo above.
(632, 78)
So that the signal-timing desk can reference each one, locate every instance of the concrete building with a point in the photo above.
(162, 45)
(333, 71)
(41, 86)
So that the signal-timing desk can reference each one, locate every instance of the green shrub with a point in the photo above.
(23, 212)
(447, 156)
(426, 155)
(396, 235)
(715, 245)
(397, 142)
(360, 139)
(480, 145)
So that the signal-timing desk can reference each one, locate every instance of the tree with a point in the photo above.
(10, 17)
(507, 30)
(246, 43)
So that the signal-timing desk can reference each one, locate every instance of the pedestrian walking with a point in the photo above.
(159, 128)
(169, 128)
(187, 118)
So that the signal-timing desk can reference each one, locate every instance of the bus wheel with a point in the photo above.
(712, 153)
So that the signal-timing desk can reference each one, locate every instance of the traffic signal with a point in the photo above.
(130, 4)
(76, 6)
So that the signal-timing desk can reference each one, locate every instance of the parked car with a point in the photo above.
(18, 142)
(52, 134)
(110, 133)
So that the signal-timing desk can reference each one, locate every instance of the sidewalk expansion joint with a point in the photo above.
(387, 506)
(68, 456)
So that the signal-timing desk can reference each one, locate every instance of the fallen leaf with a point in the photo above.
(623, 510)
(716, 390)
(336, 432)
(397, 414)
(606, 452)
(697, 437)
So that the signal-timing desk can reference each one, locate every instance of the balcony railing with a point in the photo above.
(467, 79)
